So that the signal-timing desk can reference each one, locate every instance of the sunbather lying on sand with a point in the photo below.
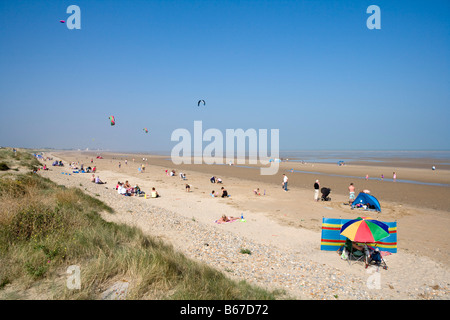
(224, 219)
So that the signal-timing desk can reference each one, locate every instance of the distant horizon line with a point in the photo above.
(281, 150)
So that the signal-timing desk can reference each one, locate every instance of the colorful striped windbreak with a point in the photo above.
(331, 238)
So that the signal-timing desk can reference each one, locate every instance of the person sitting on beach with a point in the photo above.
(213, 194)
(123, 191)
(137, 190)
(357, 247)
(98, 181)
(155, 194)
(219, 180)
(93, 178)
(353, 247)
(188, 188)
(256, 191)
(213, 179)
(224, 192)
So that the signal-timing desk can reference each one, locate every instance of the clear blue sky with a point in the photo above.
(311, 69)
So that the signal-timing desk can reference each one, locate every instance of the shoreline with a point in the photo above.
(337, 178)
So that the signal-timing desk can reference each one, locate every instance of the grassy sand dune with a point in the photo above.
(45, 228)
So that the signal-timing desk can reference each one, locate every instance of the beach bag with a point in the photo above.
(344, 255)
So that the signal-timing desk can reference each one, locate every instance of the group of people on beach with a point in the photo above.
(214, 179)
(394, 176)
(224, 193)
(127, 190)
(351, 188)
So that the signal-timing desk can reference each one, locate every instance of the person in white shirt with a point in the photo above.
(285, 182)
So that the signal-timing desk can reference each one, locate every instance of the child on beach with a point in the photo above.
(137, 190)
(213, 194)
(188, 188)
(256, 191)
(155, 194)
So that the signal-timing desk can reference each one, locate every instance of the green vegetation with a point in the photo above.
(45, 228)
(20, 158)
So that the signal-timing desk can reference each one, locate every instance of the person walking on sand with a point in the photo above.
(394, 176)
(285, 182)
(316, 190)
(351, 190)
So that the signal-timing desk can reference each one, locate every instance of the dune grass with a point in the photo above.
(45, 228)
(21, 158)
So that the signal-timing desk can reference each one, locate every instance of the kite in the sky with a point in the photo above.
(113, 121)
(145, 129)
(200, 101)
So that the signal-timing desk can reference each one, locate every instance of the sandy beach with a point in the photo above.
(286, 222)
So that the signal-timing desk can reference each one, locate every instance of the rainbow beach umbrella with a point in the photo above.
(365, 229)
